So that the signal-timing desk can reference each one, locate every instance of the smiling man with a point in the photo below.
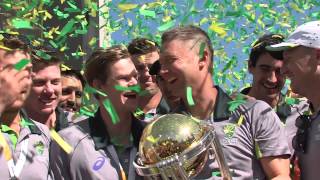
(103, 148)
(268, 82)
(301, 63)
(144, 53)
(72, 89)
(45, 93)
(251, 136)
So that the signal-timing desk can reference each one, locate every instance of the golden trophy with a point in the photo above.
(176, 146)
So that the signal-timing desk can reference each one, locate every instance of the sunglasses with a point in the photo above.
(300, 141)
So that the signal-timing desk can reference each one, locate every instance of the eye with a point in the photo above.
(78, 94)
(66, 91)
(38, 82)
(56, 81)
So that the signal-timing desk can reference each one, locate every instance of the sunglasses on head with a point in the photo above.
(300, 141)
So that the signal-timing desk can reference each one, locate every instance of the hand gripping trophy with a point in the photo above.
(176, 146)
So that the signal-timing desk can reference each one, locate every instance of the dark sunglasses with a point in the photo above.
(300, 141)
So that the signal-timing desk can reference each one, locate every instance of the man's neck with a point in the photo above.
(148, 103)
(47, 119)
(204, 97)
(120, 131)
(271, 101)
(315, 100)
(12, 119)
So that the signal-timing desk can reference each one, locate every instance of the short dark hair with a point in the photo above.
(15, 42)
(99, 61)
(74, 73)
(259, 47)
(140, 46)
(187, 33)
(44, 56)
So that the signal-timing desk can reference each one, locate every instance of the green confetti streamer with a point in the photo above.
(21, 64)
(67, 28)
(21, 24)
(110, 109)
(43, 55)
(166, 26)
(86, 113)
(147, 13)
(96, 91)
(135, 88)
(189, 96)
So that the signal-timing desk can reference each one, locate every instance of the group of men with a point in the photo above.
(258, 138)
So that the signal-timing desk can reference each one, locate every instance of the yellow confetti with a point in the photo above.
(218, 29)
(127, 6)
(296, 7)
(63, 144)
(141, 58)
(5, 146)
(129, 22)
(65, 67)
(248, 7)
(240, 121)
(5, 48)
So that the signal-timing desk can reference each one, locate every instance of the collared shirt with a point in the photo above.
(36, 165)
(309, 161)
(91, 158)
(61, 119)
(288, 114)
(244, 142)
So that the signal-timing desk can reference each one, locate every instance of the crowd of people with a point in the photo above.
(265, 137)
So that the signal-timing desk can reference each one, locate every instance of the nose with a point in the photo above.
(48, 88)
(273, 77)
(133, 81)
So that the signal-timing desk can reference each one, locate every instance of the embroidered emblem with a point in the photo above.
(39, 146)
(99, 163)
(229, 130)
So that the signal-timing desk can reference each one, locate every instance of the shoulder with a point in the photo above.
(44, 130)
(255, 106)
(76, 132)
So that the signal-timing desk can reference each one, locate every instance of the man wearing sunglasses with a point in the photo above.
(301, 63)
(268, 82)
(144, 53)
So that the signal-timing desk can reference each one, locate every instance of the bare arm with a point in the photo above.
(276, 167)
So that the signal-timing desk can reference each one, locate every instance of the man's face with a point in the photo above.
(143, 64)
(46, 90)
(122, 73)
(71, 93)
(267, 79)
(299, 66)
(172, 100)
(9, 59)
(179, 66)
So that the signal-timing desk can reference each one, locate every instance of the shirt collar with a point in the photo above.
(26, 122)
(61, 119)
(283, 109)
(221, 107)
(100, 135)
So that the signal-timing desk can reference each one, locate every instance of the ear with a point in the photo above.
(204, 61)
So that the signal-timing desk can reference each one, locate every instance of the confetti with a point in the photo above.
(135, 88)
(189, 96)
(112, 112)
(21, 64)
(63, 144)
